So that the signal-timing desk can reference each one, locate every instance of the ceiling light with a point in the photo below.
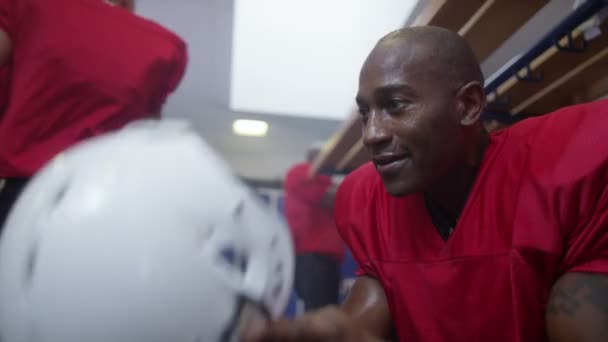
(251, 128)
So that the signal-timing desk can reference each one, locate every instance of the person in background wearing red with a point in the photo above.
(319, 248)
(78, 68)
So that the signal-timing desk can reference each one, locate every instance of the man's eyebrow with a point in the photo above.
(392, 88)
(387, 89)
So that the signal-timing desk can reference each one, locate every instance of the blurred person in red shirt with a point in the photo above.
(74, 69)
(320, 251)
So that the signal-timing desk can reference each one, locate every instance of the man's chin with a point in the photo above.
(400, 188)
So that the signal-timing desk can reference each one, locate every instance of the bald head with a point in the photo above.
(443, 52)
(421, 97)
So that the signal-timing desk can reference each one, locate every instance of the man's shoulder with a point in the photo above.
(113, 18)
(563, 125)
(109, 21)
(570, 142)
(561, 156)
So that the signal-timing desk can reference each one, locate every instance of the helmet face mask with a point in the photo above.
(140, 235)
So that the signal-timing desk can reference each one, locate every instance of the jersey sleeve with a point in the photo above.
(351, 220)
(570, 160)
(587, 244)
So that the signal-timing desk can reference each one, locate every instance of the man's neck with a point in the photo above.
(451, 193)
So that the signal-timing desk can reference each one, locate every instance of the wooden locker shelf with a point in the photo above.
(560, 73)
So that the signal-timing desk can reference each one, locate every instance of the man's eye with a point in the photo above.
(364, 112)
(393, 105)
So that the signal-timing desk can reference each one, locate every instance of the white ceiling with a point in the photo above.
(204, 95)
(302, 57)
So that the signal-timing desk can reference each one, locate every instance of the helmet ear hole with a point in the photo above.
(31, 262)
(59, 194)
(238, 211)
(274, 241)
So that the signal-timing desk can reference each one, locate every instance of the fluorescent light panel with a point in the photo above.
(251, 128)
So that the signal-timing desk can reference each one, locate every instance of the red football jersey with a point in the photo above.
(312, 225)
(79, 68)
(538, 209)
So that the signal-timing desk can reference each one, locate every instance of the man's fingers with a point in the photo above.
(282, 330)
(255, 331)
(325, 325)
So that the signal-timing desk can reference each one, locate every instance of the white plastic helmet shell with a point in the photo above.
(142, 235)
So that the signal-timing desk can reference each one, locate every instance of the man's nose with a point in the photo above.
(376, 130)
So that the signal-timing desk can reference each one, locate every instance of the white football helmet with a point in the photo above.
(142, 235)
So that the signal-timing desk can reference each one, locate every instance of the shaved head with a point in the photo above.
(445, 53)
(420, 98)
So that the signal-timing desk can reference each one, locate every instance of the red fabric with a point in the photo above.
(312, 225)
(79, 68)
(5, 81)
(538, 209)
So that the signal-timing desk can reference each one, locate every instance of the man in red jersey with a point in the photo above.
(309, 203)
(462, 236)
(78, 68)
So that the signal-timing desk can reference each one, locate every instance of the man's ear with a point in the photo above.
(471, 101)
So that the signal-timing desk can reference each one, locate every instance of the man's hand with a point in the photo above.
(364, 317)
(329, 324)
